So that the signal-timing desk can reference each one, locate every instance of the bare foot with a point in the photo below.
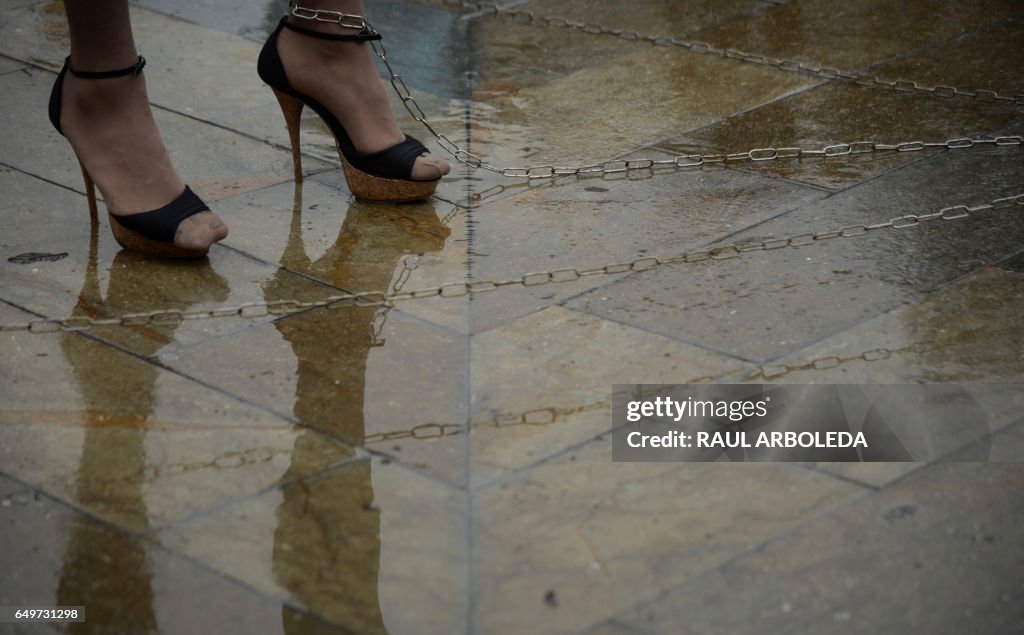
(111, 128)
(342, 77)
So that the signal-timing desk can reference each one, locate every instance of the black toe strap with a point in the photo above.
(162, 224)
(395, 162)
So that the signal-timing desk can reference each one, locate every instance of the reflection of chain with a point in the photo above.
(610, 167)
(409, 264)
(170, 317)
(532, 417)
(228, 460)
(774, 371)
(550, 415)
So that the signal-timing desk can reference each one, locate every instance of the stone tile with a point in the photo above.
(370, 546)
(875, 475)
(132, 443)
(9, 65)
(592, 223)
(861, 33)
(125, 583)
(543, 383)
(215, 162)
(9, 488)
(944, 543)
(843, 113)
(968, 333)
(604, 536)
(557, 124)
(986, 58)
(88, 275)
(783, 300)
(333, 370)
(512, 54)
(321, 233)
(1005, 446)
(1015, 263)
(610, 628)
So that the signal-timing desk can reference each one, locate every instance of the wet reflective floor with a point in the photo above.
(443, 465)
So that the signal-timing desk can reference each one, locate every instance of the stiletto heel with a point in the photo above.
(90, 194)
(148, 232)
(384, 176)
(292, 110)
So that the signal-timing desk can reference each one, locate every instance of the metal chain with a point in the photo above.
(524, 16)
(347, 20)
(474, 161)
(251, 310)
(643, 168)
(687, 161)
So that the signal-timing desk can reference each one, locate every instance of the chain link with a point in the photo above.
(254, 310)
(346, 20)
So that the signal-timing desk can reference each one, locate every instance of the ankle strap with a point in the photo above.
(134, 69)
(362, 36)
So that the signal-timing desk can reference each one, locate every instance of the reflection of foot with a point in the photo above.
(342, 77)
(111, 128)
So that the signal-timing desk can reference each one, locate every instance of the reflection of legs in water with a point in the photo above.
(108, 571)
(327, 541)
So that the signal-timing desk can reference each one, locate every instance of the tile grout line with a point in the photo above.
(147, 541)
(470, 523)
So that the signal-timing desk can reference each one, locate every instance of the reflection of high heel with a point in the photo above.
(383, 176)
(149, 232)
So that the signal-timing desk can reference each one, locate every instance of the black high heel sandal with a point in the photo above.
(149, 232)
(383, 176)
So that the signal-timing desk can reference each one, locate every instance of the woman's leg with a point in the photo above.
(342, 77)
(110, 125)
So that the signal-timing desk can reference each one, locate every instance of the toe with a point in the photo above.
(200, 231)
(429, 167)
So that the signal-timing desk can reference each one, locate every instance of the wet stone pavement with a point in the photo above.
(443, 465)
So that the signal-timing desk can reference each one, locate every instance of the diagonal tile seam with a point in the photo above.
(1001, 263)
(866, 491)
(935, 44)
(793, 530)
(917, 296)
(41, 178)
(289, 418)
(994, 432)
(152, 538)
(808, 523)
(21, 69)
(331, 164)
(147, 539)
